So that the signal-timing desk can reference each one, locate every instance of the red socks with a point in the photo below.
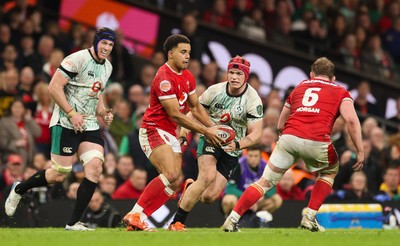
(153, 196)
(249, 197)
(321, 190)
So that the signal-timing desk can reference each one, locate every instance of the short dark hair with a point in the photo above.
(323, 66)
(173, 41)
(255, 147)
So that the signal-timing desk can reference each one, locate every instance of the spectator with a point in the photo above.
(136, 97)
(122, 123)
(287, 188)
(8, 90)
(391, 39)
(395, 119)
(100, 213)
(377, 61)
(9, 58)
(361, 102)
(158, 59)
(253, 26)
(357, 190)
(110, 163)
(391, 183)
(218, 15)
(29, 55)
(25, 88)
(12, 172)
(17, 132)
(367, 126)
(125, 166)
(42, 116)
(133, 187)
(114, 93)
(5, 36)
(146, 76)
(282, 33)
(122, 62)
(107, 186)
(72, 190)
(50, 67)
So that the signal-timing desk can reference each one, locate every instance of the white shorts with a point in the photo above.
(316, 155)
(152, 138)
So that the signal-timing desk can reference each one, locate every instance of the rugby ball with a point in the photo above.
(226, 133)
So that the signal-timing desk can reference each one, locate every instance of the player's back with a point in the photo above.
(314, 108)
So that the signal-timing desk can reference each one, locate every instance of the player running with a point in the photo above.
(172, 91)
(76, 88)
(234, 103)
(306, 123)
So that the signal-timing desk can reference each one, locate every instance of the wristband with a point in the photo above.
(237, 144)
(183, 139)
(71, 113)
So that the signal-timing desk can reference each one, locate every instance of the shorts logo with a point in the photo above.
(67, 150)
(210, 149)
(165, 86)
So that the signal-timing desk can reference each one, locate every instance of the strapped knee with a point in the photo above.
(89, 155)
(59, 168)
(271, 176)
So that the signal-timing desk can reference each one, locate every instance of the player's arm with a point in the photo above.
(253, 136)
(171, 106)
(354, 128)
(283, 118)
(56, 91)
(104, 112)
(198, 110)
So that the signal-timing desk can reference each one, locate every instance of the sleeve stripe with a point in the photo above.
(70, 74)
(253, 117)
(166, 97)
(347, 99)
(192, 92)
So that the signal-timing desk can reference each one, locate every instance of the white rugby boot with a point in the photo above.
(12, 201)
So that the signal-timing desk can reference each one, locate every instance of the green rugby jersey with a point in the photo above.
(235, 111)
(87, 79)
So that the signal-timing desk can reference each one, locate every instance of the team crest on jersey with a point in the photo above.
(165, 86)
(239, 109)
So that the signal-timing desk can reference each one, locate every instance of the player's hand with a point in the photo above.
(78, 122)
(359, 163)
(230, 147)
(108, 117)
(211, 135)
(182, 140)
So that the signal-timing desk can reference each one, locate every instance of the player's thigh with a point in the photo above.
(64, 142)
(319, 155)
(284, 154)
(165, 159)
(207, 167)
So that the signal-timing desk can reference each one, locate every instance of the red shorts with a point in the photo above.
(151, 138)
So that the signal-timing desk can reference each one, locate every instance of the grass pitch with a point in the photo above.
(198, 236)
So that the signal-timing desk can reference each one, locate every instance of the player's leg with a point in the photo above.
(281, 159)
(63, 150)
(324, 159)
(322, 188)
(91, 155)
(207, 174)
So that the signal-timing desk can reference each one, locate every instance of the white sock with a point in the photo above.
(311, 213)
(234, 217)
(138, 209)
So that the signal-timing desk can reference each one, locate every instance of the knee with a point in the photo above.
(208, 198)
(59, 177)
(172, 175)
(94, 168)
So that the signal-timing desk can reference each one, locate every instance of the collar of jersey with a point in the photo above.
(227, 91)
(101, 63)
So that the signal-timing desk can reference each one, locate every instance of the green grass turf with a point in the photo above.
(198, 236)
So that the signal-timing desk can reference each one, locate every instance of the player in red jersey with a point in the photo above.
(305, 124)
(172, 90)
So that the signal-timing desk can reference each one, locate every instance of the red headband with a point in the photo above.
(242, 64)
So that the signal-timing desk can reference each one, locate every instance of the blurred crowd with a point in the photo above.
(362, 34)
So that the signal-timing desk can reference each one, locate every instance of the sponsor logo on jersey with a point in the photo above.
(210, 149)
(96, 87)
(91, 74)
(67, 150)
(165, 86)
(219, 106)
(225, 118)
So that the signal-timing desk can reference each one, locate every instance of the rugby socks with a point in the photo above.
(155, 195)
(249, 197)
(84, 194)
(36, 180)
(321, 190)
(180, 216)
